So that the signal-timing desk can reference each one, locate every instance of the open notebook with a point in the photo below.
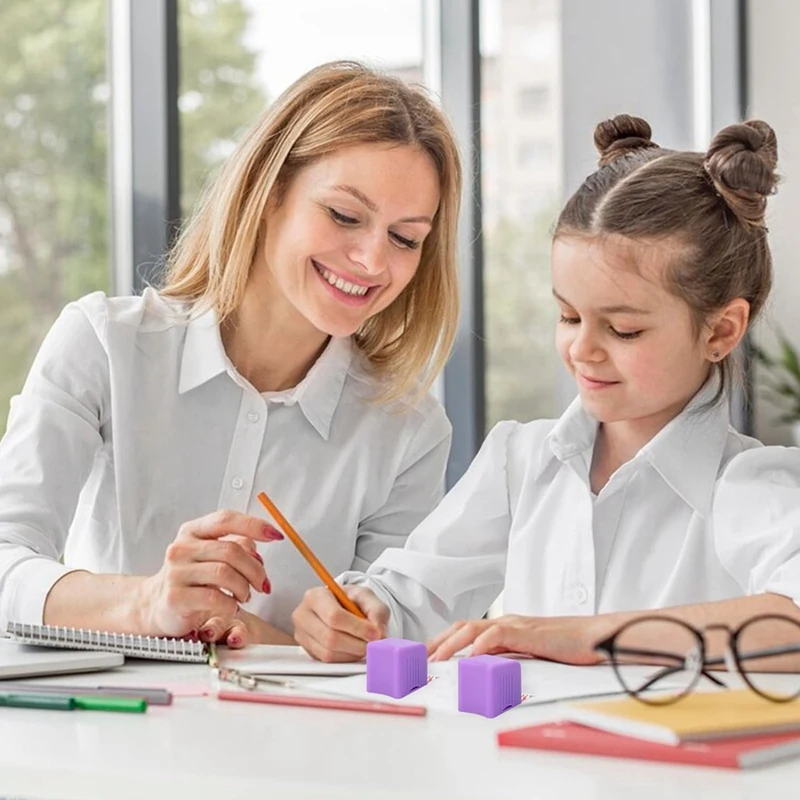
(542, 682)
(280, 659)
(130, 645)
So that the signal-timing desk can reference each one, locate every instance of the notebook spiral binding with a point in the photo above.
(133, 645)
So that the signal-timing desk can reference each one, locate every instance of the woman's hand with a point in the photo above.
(328, 632)
(570, 640)
(207, 571)
(242, 629)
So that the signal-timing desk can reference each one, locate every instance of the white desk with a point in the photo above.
(206, 749)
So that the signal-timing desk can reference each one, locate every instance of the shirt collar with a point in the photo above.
(203, 354)
(686, 452)
(320, 391)
(318, 394)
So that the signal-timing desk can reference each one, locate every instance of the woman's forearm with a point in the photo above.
(262, 632)
(100, 602)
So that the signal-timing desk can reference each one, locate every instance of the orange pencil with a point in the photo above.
(315, 563)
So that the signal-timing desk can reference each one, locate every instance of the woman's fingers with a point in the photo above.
(232, 554)
(237, 635)
(232, 631)
(226, 522)
(199, 603)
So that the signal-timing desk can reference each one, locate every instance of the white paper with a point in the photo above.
(543, 681)
(276, 659)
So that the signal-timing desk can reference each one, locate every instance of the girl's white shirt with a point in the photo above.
(133, 421)
(701, 513)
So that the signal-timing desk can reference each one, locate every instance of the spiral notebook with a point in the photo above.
(131, 645)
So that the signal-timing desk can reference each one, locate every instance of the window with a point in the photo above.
(521, 195)
(535, 153)
(533, 100)
(238, 55)
(54, 241)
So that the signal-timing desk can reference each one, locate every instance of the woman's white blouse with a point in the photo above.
(701, 513)
(133, 421)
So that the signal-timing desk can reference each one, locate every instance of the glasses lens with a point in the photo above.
(668, 656)
(769, 652)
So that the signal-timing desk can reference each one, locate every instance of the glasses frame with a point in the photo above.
(246, 680)
(732, 658)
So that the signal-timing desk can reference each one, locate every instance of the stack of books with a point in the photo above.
(736, 729)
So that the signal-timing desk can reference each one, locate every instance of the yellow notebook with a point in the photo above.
(701, 716)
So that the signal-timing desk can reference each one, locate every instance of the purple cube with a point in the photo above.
(396, 666)
(488, 685)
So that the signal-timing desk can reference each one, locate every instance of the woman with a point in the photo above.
(307, 307)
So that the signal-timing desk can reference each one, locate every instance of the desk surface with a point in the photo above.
(206, 749)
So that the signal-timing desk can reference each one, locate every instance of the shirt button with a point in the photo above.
(253, 417)
(581, 595)
(237, 483)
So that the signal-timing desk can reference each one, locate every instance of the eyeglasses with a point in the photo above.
(245, 680)
(763, 644)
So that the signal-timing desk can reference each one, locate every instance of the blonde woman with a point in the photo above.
(307, 307)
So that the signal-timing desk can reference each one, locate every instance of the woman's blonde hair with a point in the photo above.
(333, 106)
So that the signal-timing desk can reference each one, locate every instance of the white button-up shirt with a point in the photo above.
(701, 513)
(133, 421)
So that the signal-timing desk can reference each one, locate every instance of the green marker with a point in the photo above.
(51, 702)
(48, 702)
(134, 705)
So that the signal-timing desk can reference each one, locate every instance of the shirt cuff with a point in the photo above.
(26, 590)
(394, 627)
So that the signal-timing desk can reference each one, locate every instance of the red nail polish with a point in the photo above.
(272, 534)
(207, 633)
(234, 641)
(257, 556)
(266, 587)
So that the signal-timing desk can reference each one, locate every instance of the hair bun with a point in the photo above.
(741, 162)
(620, 136)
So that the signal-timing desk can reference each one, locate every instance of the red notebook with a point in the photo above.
(569, 737)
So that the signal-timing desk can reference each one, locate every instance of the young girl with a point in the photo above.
(302, 304)
(641, 496)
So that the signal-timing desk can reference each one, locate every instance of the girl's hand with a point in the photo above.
(329, 633)
(207, 571)
(570, 640)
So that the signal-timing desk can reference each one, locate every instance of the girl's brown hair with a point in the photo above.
(708, 208)
(333, 106)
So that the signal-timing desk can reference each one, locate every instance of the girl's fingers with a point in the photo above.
(434, 643)
(496, 639)
(457, 641)
(326, 607)
(323, 642)
(377, 613)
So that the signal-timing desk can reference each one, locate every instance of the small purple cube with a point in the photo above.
(396, 666)
(488, 685)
